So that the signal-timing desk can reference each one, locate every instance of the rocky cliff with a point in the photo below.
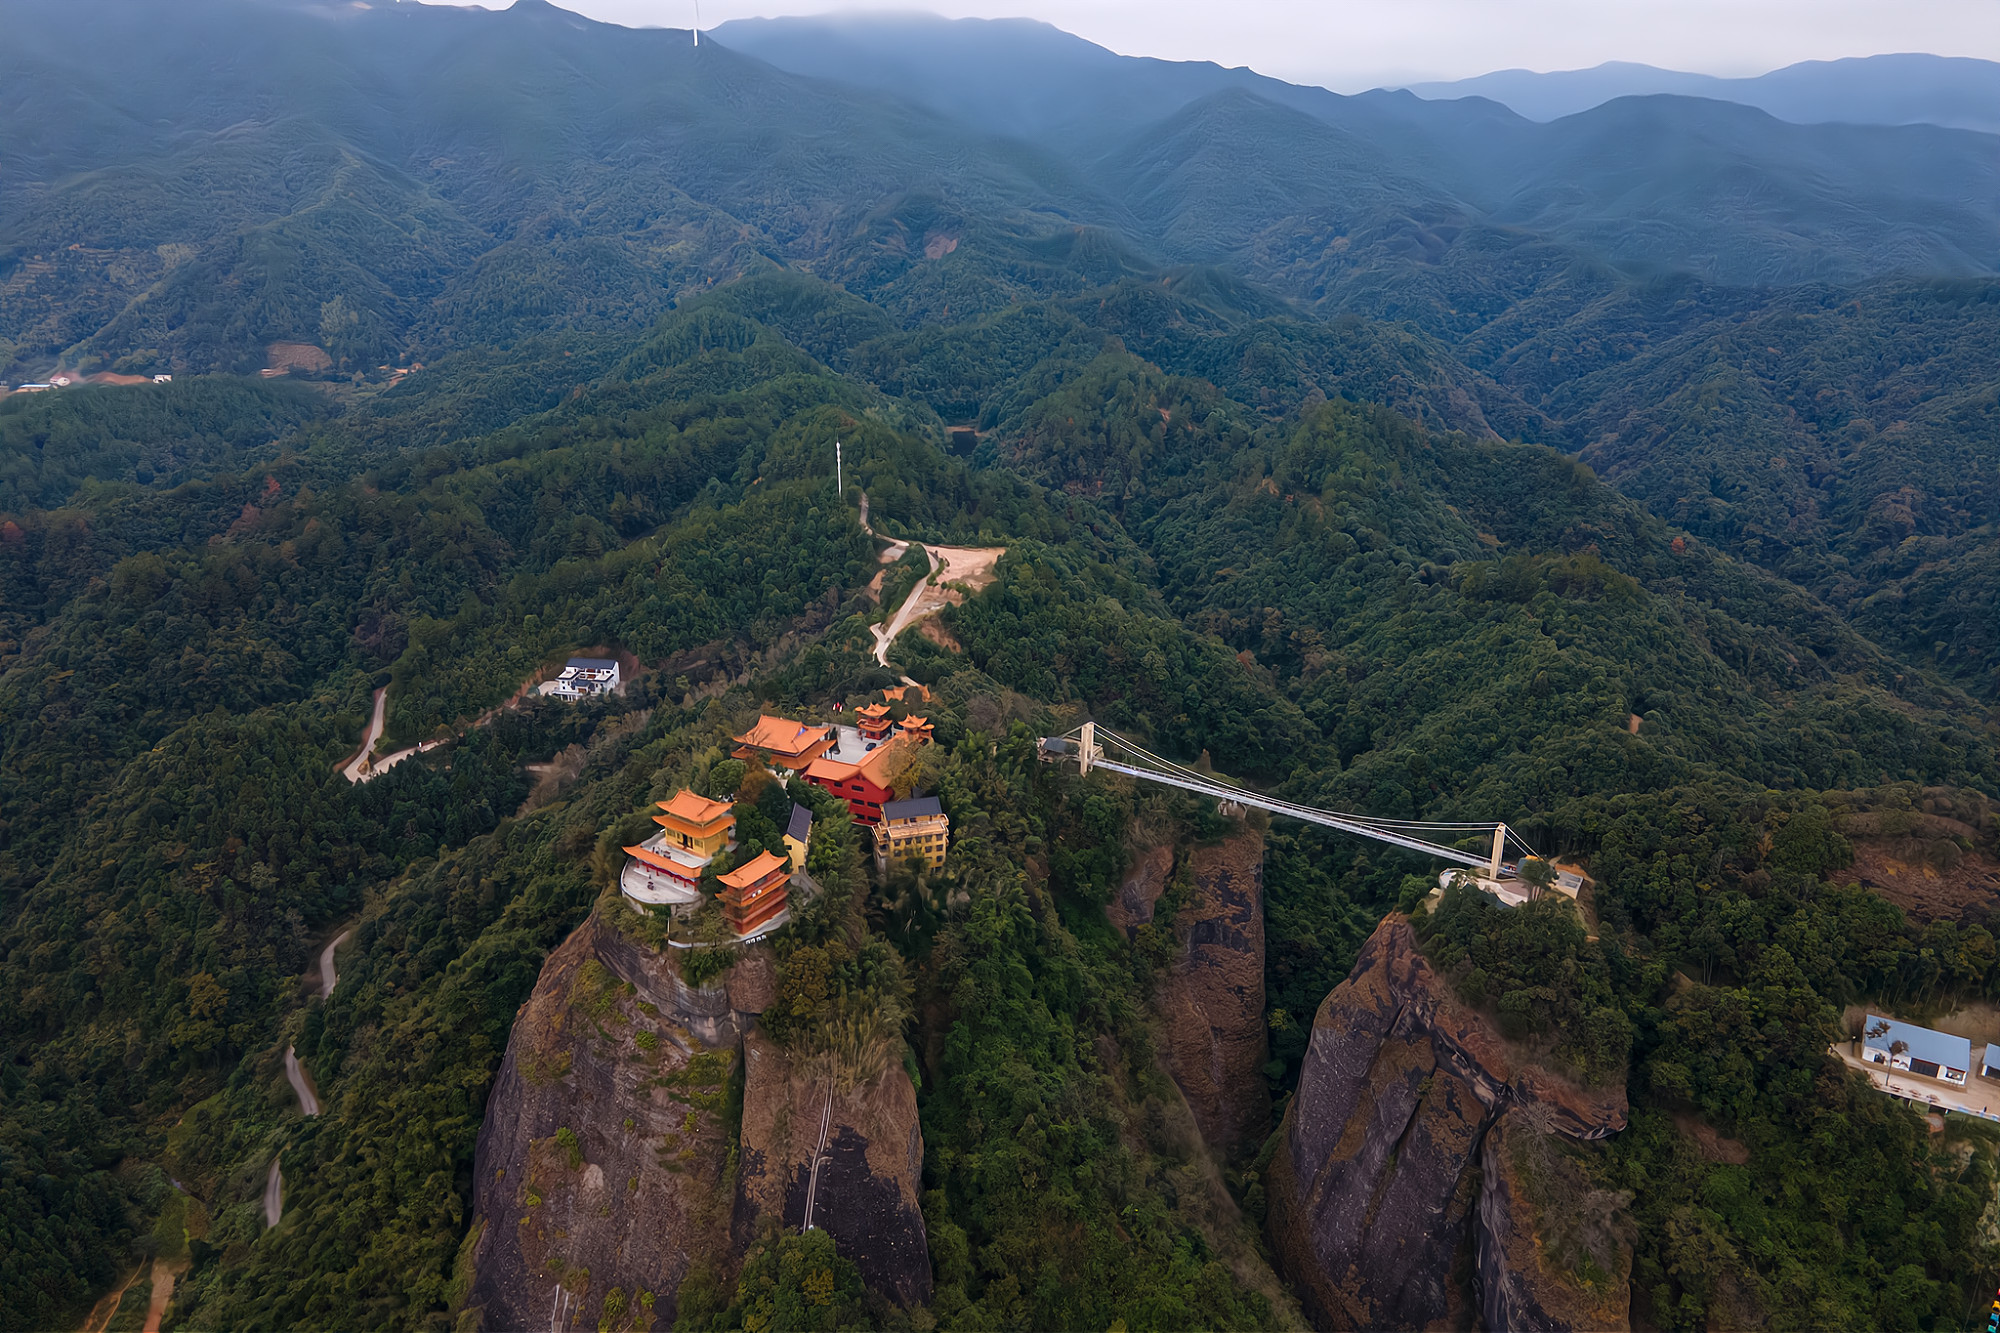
(601, 1171)
(1384, 1211)
(598, 1178)
(870, 1154)
(1211, 1001)
(1211, 1005)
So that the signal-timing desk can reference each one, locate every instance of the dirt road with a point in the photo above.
(955, 571)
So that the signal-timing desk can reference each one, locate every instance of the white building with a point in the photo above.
(1914, 1050)
(582, 677)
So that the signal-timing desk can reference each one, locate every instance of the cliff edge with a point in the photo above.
(1380, 1212)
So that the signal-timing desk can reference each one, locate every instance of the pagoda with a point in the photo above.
(754, 894)
(666, 868)
(872, 720)
(918, 729)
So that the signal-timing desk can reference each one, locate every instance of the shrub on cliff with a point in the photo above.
(1534, 969)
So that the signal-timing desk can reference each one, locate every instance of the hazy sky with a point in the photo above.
(1351, 44)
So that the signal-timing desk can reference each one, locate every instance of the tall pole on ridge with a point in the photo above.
(839, 485)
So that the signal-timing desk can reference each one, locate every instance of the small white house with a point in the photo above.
(1911, 1049)
(582, 677)
(163, 379)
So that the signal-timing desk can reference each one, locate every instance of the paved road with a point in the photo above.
(355, 772)
(361, 768)
(308, 1104)
(327, 976)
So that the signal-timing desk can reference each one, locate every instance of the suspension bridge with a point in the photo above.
(1091, 746)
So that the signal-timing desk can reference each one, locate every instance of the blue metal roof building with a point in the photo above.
(1922, 1050)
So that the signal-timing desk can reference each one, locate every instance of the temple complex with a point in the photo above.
(666, 868)
(752, 895)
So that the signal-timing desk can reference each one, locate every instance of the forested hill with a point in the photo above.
(1393, 456)
(1331, 597)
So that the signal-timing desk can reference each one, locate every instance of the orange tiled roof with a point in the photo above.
(685, 805)
(871, 767)
(744, 876)
(780, 735)
(897, 693)
(872, 710)
(832, 770)
(913, 721)
(658, 862)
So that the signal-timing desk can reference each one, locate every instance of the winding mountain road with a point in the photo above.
(296, 1075)
(274, 1195)
(361, 768)
(327, 976)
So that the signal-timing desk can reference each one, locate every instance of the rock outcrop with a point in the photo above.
(598, 1179)
(600, 1172)
(1377, 1197)
(871, 1158)
(1211, 1004)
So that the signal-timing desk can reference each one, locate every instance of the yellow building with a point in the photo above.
(798, 836)
(917, 827)
(696, 823)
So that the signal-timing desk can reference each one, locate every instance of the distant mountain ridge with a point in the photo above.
(1954, 92)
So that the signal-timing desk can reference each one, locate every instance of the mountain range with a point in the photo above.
(1909, 89)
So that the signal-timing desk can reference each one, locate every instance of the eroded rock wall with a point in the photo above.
(869, 1182)
(1211, 1004)
(599, 1165)
(1374, 1189)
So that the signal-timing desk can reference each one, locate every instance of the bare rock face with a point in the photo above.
(1211, 1004)
(1375, 1189)
(598, 1175)
(871, 1157)
(1132, 906)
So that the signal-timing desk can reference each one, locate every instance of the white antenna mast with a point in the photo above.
(697, 22)
(839, 484)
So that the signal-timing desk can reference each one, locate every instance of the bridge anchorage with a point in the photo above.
(1091, 747)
